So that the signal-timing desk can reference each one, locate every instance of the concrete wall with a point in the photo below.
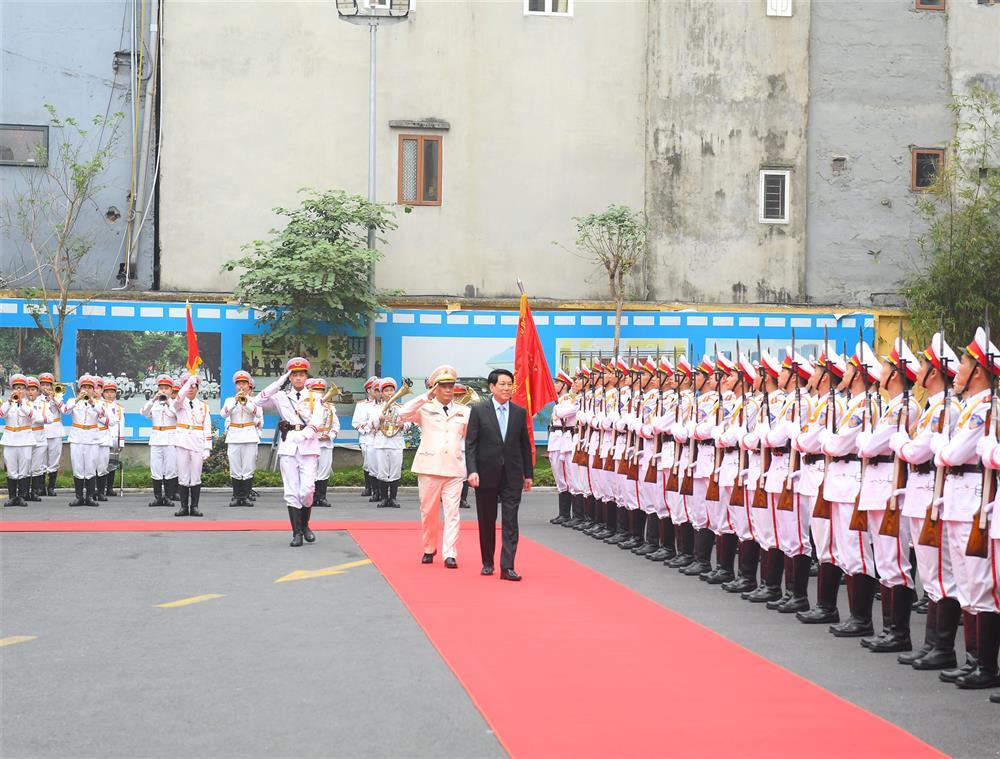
(974, 49)
(62, 53)
(728, 93)
(546, 122)
(880, 84)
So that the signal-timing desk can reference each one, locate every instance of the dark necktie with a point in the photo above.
(191, 404)
(445, 410)
(298, 395)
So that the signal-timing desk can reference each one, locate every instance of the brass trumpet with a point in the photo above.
(241, 397)
(15, 397)
(331, 391)
(391, 426)
(59, 388)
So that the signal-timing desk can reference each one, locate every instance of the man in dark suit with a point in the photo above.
(498, 460)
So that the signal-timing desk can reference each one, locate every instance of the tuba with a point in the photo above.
(391, 426)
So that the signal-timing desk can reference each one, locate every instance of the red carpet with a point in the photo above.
(530, 656)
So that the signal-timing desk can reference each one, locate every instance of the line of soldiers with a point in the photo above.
(773, 462)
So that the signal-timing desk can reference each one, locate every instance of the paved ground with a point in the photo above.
(332, 665)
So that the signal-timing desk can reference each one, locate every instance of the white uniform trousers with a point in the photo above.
(242, 460)
(974, 577)
(367, 459)
(298, 474)
(618, 490)
(892, 555)
(739, 515)
(54, 446)
(83, 457)
(822, 538)
(439, 493)
(579, 479)
(39, 459)
(852, 549)
(389, 463)
(793, 526)
(162, 462)
(677, 505)
(629, 490)
(697, 506)
(933, 564)
(597, 482)
(763, 521)
(560, 461)
(718, 513)
(189, 466)
(18, 460)
(651, 493)
(324, 464)
(103, 458)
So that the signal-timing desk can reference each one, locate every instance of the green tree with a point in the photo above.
(614, 239)
(958, 269)
(44, 216)
(313, 274)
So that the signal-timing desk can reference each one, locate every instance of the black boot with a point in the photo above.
(704, 541)
(651, 537)
(942, 656)
(564, 508)
(788, 570)
(91, 491)
(636, 530)
(184, 494)
(799, 601)
(898, 637)
(195, 498)
(665, 541)
(23, 491)
(393, 488)
(986, 675)
(862, 596)
(234, 501)
(770, 589)
(622, 525)
(575, 510)
(295, 517)
(320, 498)
(970, 630)
(827, 590)
(37, 487)
(604, 520)
(726, 547)
(99, 495)
(309, 535)
(367, 491)
(173, 489)
(685, 547)
(589, 514)
(11, 492)
(376, 496)
(749, 557)
(930, 635)
(249, 496)
(885, 595)
(81, 499)
(109, 483)
(158, 499)
(51, 490)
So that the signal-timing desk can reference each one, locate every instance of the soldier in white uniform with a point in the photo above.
(18, 440)
(85, 439)
(360, 422)
(298, 452)
(193, 443)
(113, 439)
(388, 449)
(162, 457)
(327, 437)
(560, 444)
(989, 622)
(54, 431)
(242, 418)
(36, 488)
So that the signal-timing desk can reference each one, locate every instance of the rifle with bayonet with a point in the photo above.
(979, 538)
(821, 509)
(859, 518)
(786, 501)
(652, 471)
(712, 491)
(930, 533)
(890, 522)
(760, 495)
(687, 481)
(739, 493)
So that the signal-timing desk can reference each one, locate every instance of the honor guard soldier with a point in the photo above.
(361, 422)
(389, 443)
(54, 431)
(18, 440)
(327, 436)
(677, 502)
(661, 459)
(643, 456)
(162, 457)
(989, 622)
(560, 443)
(112, 440)
(301, 418)
(242, 418)
(439, 462)
(938, 369)
(38, 453)
(193, 442)
(963, 500)
(717, 492)
(85, 439)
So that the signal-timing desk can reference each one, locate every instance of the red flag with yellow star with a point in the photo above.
(533, 387)
(194, 358)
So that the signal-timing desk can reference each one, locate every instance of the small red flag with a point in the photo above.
(194, 359)
(533, 386)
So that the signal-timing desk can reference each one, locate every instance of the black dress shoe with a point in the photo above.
(679, 561)
(451, 563)
(763, 594)
(721, 577)
(739, 585)
(952, 675)
(427, 558)
(660, 554)
(936, 659)
(510, 574)
(777, 603)
(853, 628)
(794, 605)
(819, 616)
(487, 569)
(892, 643)
(912, 656)
(979, 679)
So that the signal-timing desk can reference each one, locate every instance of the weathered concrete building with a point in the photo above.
(776, 146)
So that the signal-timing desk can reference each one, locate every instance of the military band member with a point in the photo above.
(327, 436)
(38, 454)
(439, 461)
(159, 409)
(112, 439)
(388, 444)
(560, 443)
(360, 421)
(194, 444)
(85, 439)
(242, 418)
(18, 440)
(298, 452)
(54, 431)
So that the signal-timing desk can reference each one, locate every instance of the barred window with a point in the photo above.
(926, 166)
(773, 197)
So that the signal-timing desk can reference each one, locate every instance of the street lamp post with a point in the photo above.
(372, 13)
